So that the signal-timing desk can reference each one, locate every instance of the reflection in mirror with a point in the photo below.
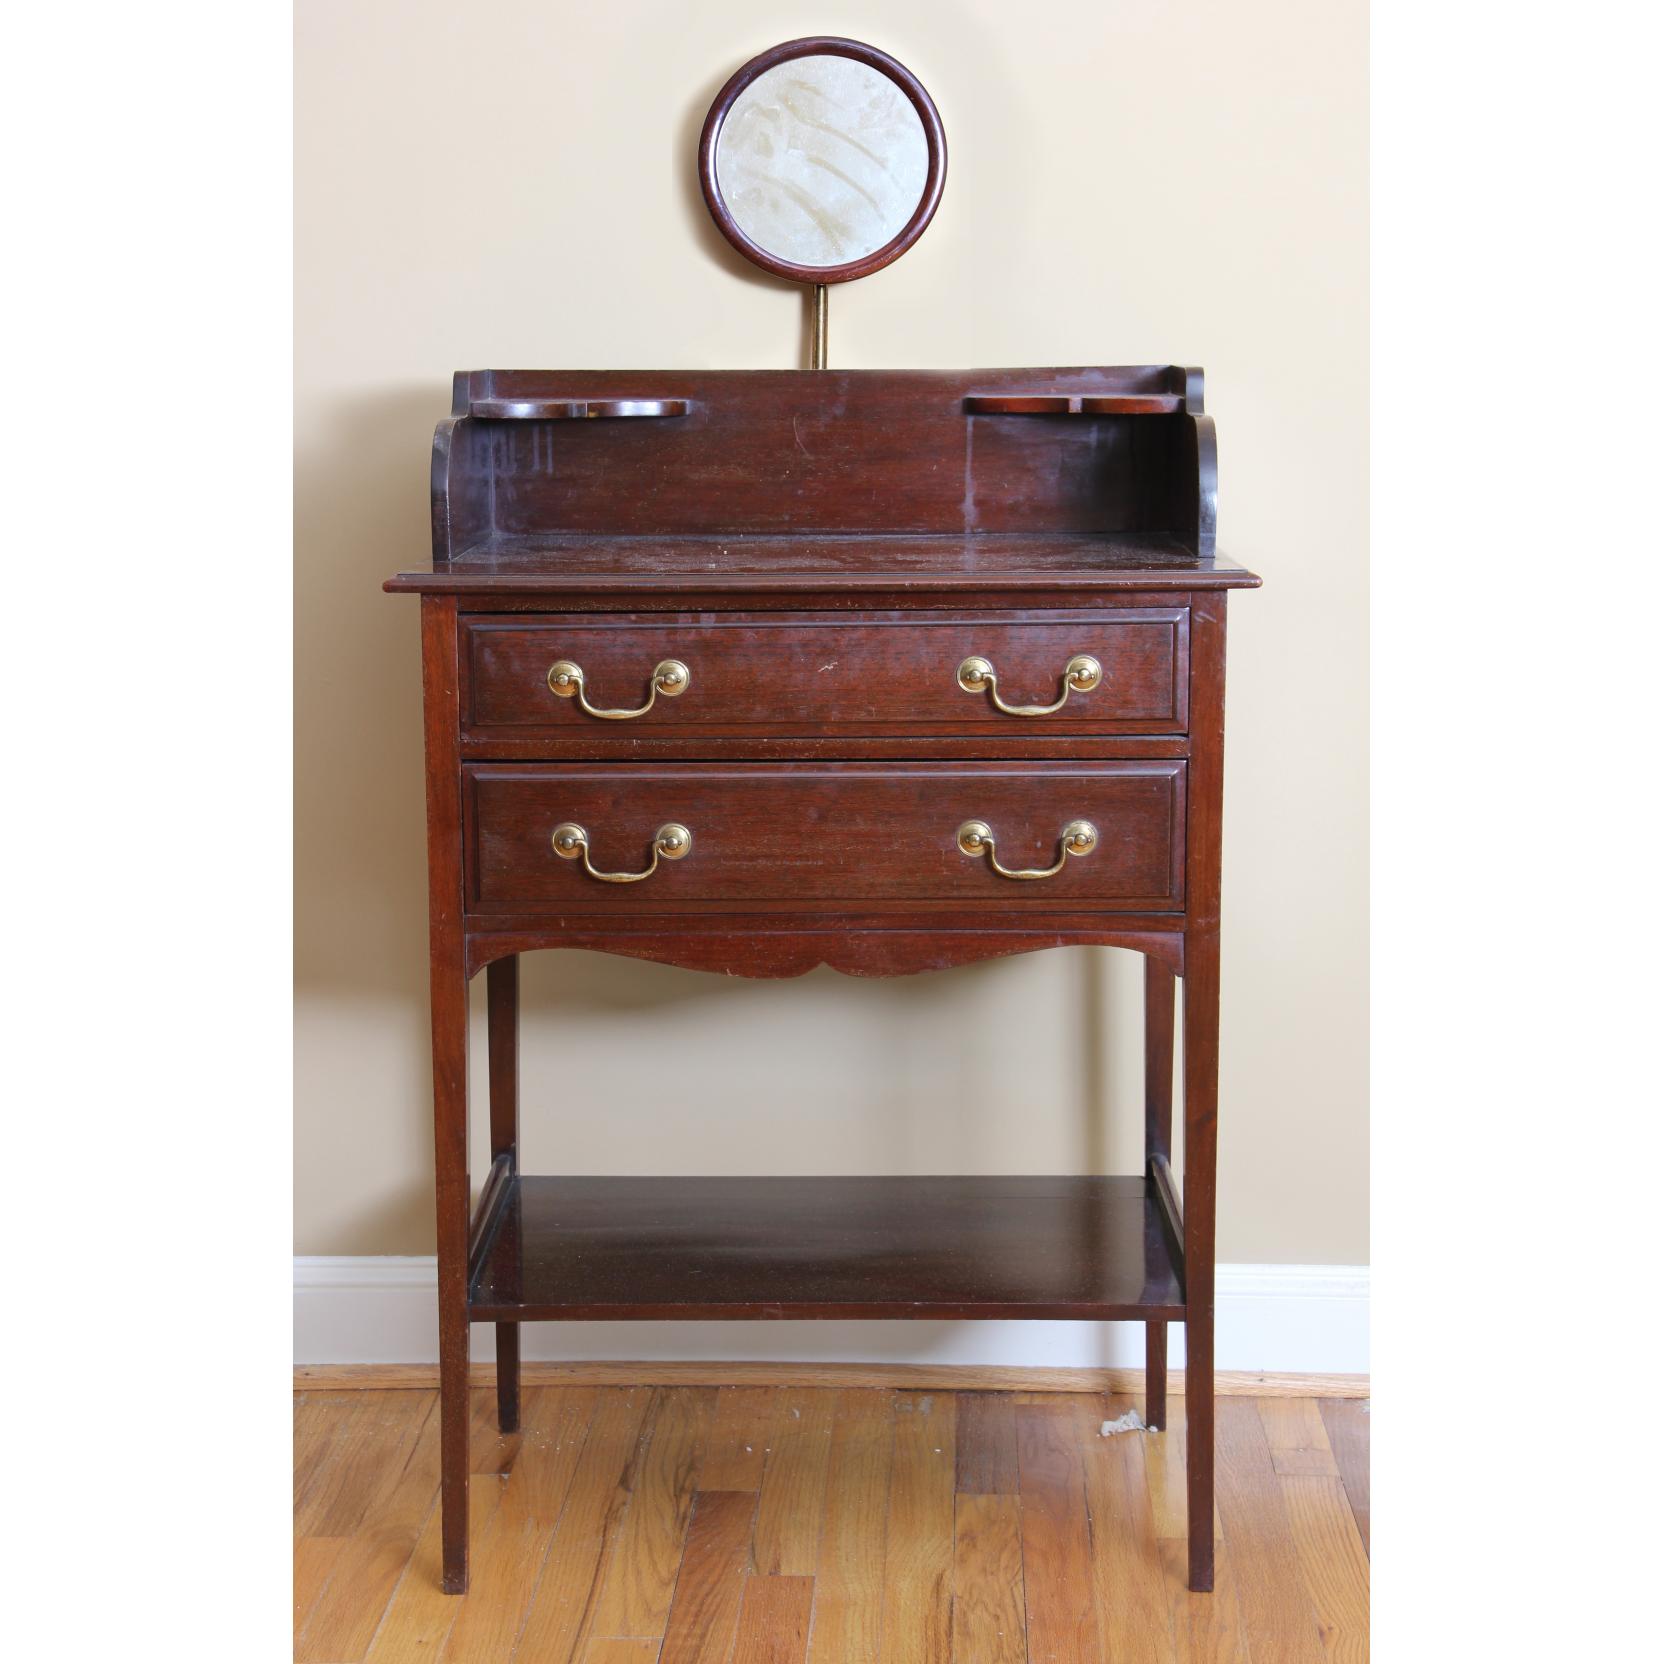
(822, 160)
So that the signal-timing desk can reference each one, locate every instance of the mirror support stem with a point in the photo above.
(817, 332)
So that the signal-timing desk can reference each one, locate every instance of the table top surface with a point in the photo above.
(555, 563)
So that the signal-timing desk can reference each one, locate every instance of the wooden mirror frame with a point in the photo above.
(814, 46)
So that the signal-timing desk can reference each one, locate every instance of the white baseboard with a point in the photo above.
(1280, 1319)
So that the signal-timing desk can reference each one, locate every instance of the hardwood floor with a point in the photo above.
(775, 1525)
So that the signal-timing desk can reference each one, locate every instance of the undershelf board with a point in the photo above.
(892, 1247)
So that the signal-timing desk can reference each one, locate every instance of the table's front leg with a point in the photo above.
(448, 994)
(1201, 1101)
(451, 1186)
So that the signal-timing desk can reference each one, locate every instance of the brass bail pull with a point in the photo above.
(670, 677)
(976, 837)
(671, 842)
(1080, 675)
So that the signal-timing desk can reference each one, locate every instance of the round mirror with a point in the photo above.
(822, 160)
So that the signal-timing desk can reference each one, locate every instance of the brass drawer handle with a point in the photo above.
(670, 677)
(976, 837)
(1080, 675)
(672, 841)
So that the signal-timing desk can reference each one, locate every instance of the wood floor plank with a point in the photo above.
(849, 1574)
(988, 1623)
(736, 1446)
(379, 1448)
(489, 1451)
(505, 1561)
(1346, 1421)
(1164, 1469)
(420, 1614)
(321, 1418)
(508, 1559)
(886, 1377)
(1135, 1622)
(917, 1626)
(639, 1577)
(619, 1650)
(1333, 1560)
(787, 1533)
(986, 1459)
(595, 1505)
(374, 1559)
(1057, 1543)
(774, 1620)
(705, 1613)
(554, 1427)
(860, 1490)
(1207, 1629)
(335, 1463)
(314, 1564)
(1277, 1612)
(1296, 1436)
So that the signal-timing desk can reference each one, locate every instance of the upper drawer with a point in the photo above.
(883, 674)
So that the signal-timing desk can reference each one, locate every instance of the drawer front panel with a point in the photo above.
(827, 673)
(792, 835)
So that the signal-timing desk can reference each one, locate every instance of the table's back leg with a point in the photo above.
(448, 995)
(1158, 1141)
(502, 994)
(1201, 1099)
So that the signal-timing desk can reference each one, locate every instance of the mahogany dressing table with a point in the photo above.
(751, 672)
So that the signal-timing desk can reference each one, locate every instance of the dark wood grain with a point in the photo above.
(794, 451)
(588, 1248)
(864, 833)
(502, 987)
(822, 550)
(793, 944)
(687, 572)
(1201, 1070)
(448, 999)
(574, 410)
(1064, 404)
(1158, 1144)
(820, 673)
(1155, 1373)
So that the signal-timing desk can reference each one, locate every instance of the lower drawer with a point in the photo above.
(604, 837)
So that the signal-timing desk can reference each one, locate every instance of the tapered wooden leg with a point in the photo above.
(1155, 1373)
(1158, 1142)
(502, 996)
(1201, 1102)
(450, 1125)
(448, 995)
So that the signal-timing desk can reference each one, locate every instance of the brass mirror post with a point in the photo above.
(817, 332)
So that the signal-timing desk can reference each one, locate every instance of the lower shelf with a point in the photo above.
(1057, 1248)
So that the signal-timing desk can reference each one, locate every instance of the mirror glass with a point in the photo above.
(821, 160)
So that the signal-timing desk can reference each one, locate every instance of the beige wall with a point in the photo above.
(510, 183)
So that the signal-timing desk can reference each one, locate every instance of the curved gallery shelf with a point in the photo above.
(573, 410)
(1074, 404)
